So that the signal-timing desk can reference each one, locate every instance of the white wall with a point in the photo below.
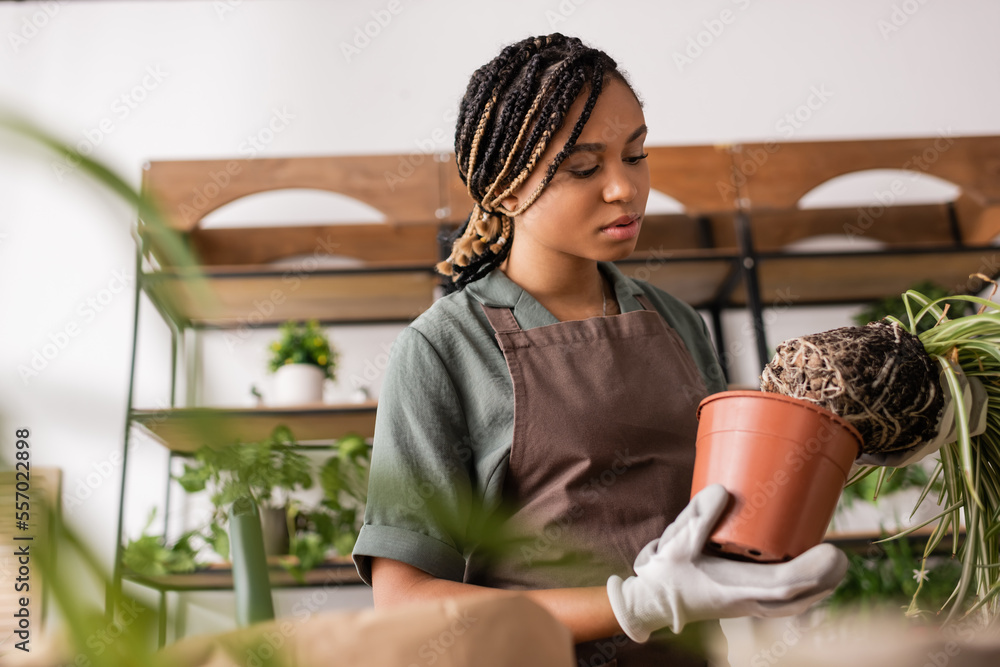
(200, 78)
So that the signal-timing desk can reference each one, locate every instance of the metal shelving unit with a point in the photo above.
(727, 251)
(192, 300)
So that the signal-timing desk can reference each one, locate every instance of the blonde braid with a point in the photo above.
(474, 152)
(505, 234)
(482, 221)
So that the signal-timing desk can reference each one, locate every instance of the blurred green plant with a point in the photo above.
(336, 522)
(254, 469)
(870, 487)
(150, 556)
(895, 307)
(891, 578)
(258, 470)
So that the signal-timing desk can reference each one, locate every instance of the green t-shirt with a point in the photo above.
(445, 419)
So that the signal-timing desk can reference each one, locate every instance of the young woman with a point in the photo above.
(551, 399)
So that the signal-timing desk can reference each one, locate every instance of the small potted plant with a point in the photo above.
(302, 359)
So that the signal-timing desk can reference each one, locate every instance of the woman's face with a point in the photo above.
(594, 204)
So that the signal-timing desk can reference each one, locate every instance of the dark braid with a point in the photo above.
(512, 107)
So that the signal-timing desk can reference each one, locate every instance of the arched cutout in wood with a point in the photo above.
(291, 207)
(401, 187)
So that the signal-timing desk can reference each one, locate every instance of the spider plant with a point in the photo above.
(968, 469)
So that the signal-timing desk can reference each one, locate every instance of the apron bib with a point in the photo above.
(601, 459)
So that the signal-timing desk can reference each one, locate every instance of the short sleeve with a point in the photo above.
(419, 481)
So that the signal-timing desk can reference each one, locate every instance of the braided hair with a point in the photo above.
(511, 108)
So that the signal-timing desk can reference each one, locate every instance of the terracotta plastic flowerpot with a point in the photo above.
(783, 460)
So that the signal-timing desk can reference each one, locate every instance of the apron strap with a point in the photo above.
(502, 319)
(644, 302)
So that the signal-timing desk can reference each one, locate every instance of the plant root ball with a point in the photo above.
(877, 377)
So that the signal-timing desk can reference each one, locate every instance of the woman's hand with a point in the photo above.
(676, 583)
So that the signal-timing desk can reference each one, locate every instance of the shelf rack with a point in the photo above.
(180, 429)
(339, 572)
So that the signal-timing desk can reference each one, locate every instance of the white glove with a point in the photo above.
(675, 583)
(974, 394)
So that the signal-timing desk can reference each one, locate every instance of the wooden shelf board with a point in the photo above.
(694, 277)
(815, 279)
(370, 243)
(904, 225)
(377, 245)
(269, 295)
(895, 226)
(861, 542)
(337, 572)
(184, 430)
(698, 276)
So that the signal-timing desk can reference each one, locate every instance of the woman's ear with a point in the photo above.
(509, 203)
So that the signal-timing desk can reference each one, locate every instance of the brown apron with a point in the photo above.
(601, 459)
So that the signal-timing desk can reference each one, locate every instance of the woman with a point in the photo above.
(550, 399)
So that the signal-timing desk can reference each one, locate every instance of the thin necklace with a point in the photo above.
(604, 298)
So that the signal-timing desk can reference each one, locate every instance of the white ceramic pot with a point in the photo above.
(298, 384)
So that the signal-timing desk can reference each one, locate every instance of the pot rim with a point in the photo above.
(788, 400)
